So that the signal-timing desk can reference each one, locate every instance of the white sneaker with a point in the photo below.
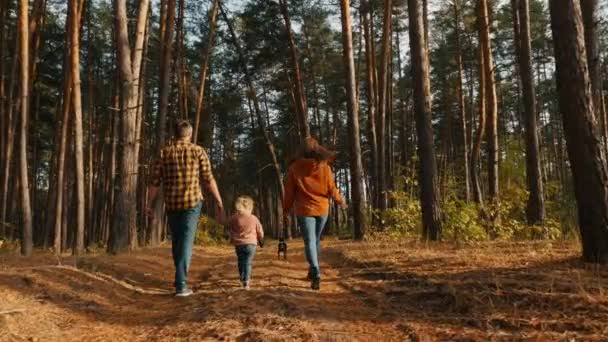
(184, 293)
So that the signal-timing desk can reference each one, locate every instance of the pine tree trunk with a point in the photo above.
(204, 68)
(356, 165)
(123, 233)
(300, 92)
(461, 103)
(9, 148)
(536, 206)
(74, 33)
(383, 78)
(165, 75)
(590, 9)
(371, 101)
(491, 106)
(476, 151)
(429, 192)
(24, 192)
(585, 152)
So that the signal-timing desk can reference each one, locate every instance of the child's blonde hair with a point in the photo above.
(244, 205)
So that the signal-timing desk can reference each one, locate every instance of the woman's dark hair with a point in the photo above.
(311, 149)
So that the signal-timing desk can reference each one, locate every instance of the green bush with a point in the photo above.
(210, 232)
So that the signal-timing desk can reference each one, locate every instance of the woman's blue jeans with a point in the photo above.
(183, 224)
(312, 228)
(245, 255)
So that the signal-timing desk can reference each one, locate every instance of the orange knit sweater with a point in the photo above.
(310, 184)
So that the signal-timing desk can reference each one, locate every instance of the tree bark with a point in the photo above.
(371, 100)
(26, 211)
(300, 93)
(535, 209)
(123, 234)
(204, 67)
(476, 151)
(589, 9)
(429, 192)
(165, 76)
(74, 34)
(461, 102)
(585, 152)
(356, 165)
(384, 79)
(491, 105)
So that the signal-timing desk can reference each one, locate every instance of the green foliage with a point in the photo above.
(210, 232)
(462, 222)
(404, 219)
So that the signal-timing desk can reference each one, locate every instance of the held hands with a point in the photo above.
(261, 243)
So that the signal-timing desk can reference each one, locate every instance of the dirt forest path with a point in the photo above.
(129, 298)
(373, 291)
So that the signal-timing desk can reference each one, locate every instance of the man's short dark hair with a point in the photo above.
(183, 129)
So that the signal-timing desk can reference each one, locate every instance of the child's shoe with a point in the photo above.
(246, 285)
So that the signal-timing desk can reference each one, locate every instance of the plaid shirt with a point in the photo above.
(181, 168)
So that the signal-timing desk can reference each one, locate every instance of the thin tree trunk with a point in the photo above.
(300, 93)
(206, 60)
(585, 152)
(165, 76)
(371, 100)
(429, 192)
(491, 105)
(26, 211)
(261, 122)
(356, 164)
(476, 152)
(384, 79)
(536, 206)
(461, 102)
(11, 127)
(74, 32)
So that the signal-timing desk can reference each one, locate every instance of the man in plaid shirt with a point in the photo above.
(181, 169)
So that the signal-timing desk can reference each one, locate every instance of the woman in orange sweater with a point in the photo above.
(309, 185)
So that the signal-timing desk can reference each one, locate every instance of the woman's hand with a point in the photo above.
(343, 205)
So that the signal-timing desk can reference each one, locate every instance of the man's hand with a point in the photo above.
(220, 214)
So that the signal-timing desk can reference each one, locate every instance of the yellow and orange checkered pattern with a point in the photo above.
(181, 168)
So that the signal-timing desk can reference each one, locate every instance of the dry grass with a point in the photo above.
(371, 292)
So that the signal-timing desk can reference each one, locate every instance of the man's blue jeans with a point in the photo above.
(245, 255)
(183, 225)
(312, 228)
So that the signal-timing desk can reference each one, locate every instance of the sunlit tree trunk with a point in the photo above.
(24, 193)
(204, 68)
(356, 165)
(587, 159)
(123, 233)
(371, 100)
(74, 34)
(429, 192)
(491, 106)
